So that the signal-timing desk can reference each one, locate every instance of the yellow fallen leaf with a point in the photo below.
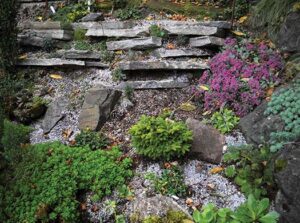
(119, 52)
(242, 19)
(238, 33)
(245, 79)
(204, 87)
(23, 57)
(187, 106)
(187, 221)
(217, 169)
(55, 76)
(40, 18)
(206, 113)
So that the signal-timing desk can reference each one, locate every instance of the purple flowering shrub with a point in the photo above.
(239, 76)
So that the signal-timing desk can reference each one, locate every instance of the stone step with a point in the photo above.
(136, 44)
(173, 82)
(42, 25)
(96, 64)
(58, 34)
(79, 54)
(173, 53)
(204, 41)
(105, 32)
(162, 65)
(50, 62)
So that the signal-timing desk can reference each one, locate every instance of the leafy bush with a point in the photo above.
(129, 13)
(224, 120)
(251, 169)
(159, 138)
(239, 76)
(14, 135)
(171, 182)
(252, 211)
(79, 34)
(48, 179)
(71, 13)
(93, 140)
(171, 217)
(286, 104)
(157, 31)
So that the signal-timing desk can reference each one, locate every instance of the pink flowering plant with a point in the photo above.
(239, 76)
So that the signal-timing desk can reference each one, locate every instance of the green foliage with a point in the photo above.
(107, 56)
(224, 120)
(129, 91)
(159, 138)
(49, 177)
(252, 171)
(252, 211)
(157, 31)
(129, 13)
(241, 9)
(82, 45)
(171, 182)
(269, 15)
(93, 140)
(14, 135)
(117, 75)
(71, 13)
(79, 34)
(286, 104)
(171, 217)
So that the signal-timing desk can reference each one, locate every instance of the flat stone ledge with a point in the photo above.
(80, 54)
(140, 43)
(49, 62)
(206, 41)
(167, 53)
(104, 32)
(162, 65)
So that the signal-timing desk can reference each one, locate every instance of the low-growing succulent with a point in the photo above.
(224, 120)
(94, 140)
(159, 138)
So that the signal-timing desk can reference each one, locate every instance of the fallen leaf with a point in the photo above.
(56, 76)
(67, 133)
(211, 186)
(270, 91)
(245, 79)
(23, 57)
(170, 46)
(189, 201)
(83, 206)
(187, 106)
(238, 33)
(204, 87)
(40, 18)
(217, 169)
(119, 52)
(242, 19)
(206, 113)
(167, 165)
(95, 208)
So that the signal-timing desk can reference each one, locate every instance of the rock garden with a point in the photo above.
(149, 111)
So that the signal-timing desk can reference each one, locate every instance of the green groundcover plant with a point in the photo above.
(224, 120)
(48, 179)
(159, 138)
(252, 211)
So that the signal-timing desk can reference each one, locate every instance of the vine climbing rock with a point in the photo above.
(207, 143)
(97, 106)
(287, 201)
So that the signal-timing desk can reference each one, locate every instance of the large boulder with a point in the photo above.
(54, 114)
(207, 143)
(289, 34)
(257, 127)
(98, 104)
(287, 201)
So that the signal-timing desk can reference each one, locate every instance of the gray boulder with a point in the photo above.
(289, 34)
(257, 127)
(207, 143)
(139, 43)
(93, 17)
(54, 114)
(98, 104)
(206, 41)
(287, 202)
(166, 53)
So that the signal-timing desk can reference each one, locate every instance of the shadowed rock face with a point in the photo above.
(287, 201)
(289, 35)
(97, 106)
(207, 141)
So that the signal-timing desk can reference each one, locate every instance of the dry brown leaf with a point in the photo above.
(189, 202)
(170, 46)
(217, 169)
(242, 19)
(23, 57)
(211, 186)
(270, 91)
(67, 133)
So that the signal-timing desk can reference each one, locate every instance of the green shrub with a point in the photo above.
(14, 135)
(117, 75)
(129, 91)
(171, 217)
(129, 13)
(93, 140)
(286, 104)
(224, 120)
(50, 176)
(252, 211)
(82, 45)
(251, 169)
(107, 56)
(71, 13)
(79, 34)
(159, 138)
(171, 182)
(157, 31)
